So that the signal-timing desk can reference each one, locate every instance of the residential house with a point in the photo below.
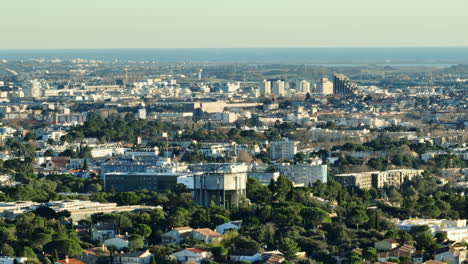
(206, 235)
(12, 260)
(192, 255)
(232, 225)
(386, 244)
(176, 235)
(57, 163)
(136, 257)
(103, 231)
(453, 254)
(95, 255)
(405, 250)
(118, 242)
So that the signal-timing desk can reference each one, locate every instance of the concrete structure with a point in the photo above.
(283, 149)
(225, 186)
(131, 181)
(324, 87)
(377, 179)
(342, 85)
(78, 209)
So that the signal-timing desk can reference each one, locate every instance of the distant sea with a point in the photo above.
(337, 56)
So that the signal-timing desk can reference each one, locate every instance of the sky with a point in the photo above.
(96, 24)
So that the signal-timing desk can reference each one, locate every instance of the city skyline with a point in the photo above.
(53, 24)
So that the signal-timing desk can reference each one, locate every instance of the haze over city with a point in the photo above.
(87, 24)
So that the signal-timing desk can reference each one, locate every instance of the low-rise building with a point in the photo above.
(192, 255)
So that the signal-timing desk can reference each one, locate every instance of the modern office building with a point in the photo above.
(283, 149)
(342, 85)
(377, 179)
(324, 87)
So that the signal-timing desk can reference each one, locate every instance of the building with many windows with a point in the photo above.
(283, 149)
(342, 85)
(377, 179)
(324, 87)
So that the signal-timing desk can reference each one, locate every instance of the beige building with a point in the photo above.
(324, 87)
(303, 87)
(377, 179)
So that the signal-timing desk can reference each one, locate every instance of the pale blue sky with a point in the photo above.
(38, 24)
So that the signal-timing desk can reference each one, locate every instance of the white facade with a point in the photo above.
(304, 173)
(303, 87)
(117, 242)
(192, 255)
(232, 225)
(283, 149)
(325, 87)
(456, 230)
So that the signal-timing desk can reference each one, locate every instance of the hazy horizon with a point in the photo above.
(118, 24)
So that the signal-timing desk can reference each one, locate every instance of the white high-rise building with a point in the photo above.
(33, 89)
(283, 149)
(278, 88)
(265, 89)
(324, 87)
(303, 87)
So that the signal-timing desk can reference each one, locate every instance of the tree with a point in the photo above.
(354, 258)
(280, 187)
(66, 247)
(299, 157)
(28, 253)
(357, 217)
(289, 248)
(370, 254)
(441, 237)
(46, 212)
(244, 157)
(142, 230)
(136, 242)
(423, 237)
(7, 250)
(314, 217)
(242, 245)
(219, 253)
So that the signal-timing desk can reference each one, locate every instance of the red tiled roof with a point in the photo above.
(195, 250)
(71, 261)
(207, 232)
(392, 241)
